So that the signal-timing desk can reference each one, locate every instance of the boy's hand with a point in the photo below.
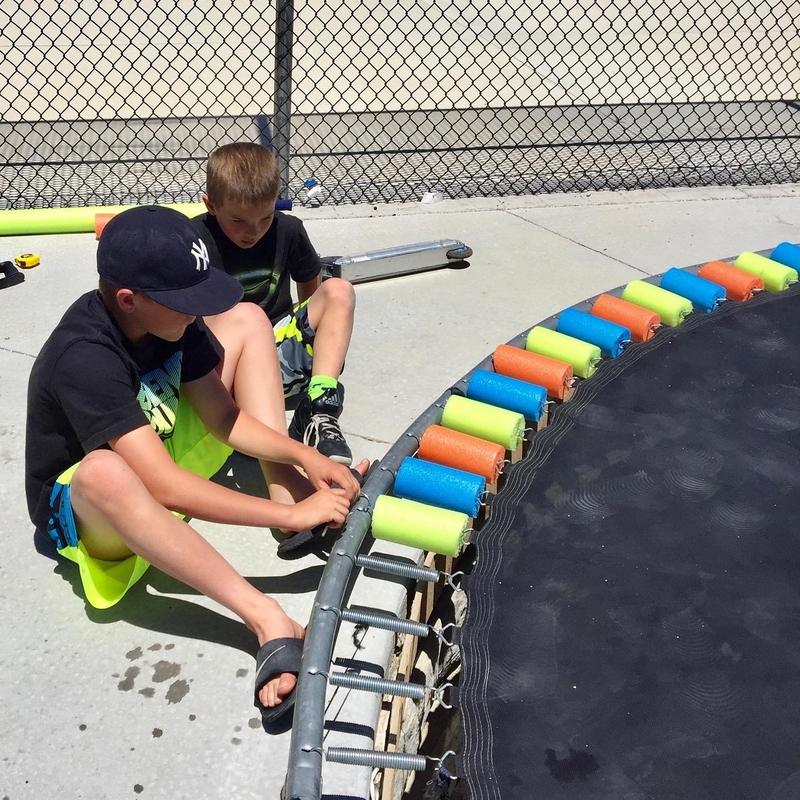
(323, 473)
(327, 505)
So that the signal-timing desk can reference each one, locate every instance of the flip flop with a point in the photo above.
(302, 539)
(273, 658)
(311, 537)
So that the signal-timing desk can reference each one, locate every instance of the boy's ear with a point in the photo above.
(126, 300)
(209, 206)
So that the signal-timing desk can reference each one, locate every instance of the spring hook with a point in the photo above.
(442, 638)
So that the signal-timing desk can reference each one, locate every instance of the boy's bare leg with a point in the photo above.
(330, 314)
(251, 373)
(117, 515)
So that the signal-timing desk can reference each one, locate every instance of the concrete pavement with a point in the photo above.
(153, 698)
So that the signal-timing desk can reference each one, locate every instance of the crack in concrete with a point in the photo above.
(580, 244)
(16, 352)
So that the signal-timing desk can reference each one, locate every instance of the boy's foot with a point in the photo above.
(316, 423)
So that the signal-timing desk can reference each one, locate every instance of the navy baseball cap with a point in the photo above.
(158, 251)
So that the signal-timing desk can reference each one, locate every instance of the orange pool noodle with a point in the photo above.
(461, 451)
(100, 221)
(739, 285)
(514, 362)
(640, 321)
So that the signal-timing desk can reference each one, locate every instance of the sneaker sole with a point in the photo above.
(342, 460)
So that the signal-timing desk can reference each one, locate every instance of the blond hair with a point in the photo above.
(244, 172)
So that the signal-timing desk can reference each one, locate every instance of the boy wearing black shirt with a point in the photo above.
(129, 414)
(265, 251)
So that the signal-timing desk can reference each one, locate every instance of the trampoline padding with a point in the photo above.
(632, 628)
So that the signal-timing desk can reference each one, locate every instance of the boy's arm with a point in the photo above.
(243, 432)
(180, 490)
(305, 290)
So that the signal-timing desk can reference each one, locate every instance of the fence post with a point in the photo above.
(284, 39)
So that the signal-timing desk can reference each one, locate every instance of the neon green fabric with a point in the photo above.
(191, 447)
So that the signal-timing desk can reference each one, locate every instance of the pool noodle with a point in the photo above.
(777, 277)
(33, 221)
(671, 307)
(29, 221)
(419, 525)
(610, 337)
(437, 485)
(705, 295)
(640, 321)
(525, 398)
(739, 284)
(555, 376)
(462, 451)
(583, 356)
(485, 421)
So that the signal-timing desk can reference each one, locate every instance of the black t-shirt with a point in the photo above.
(90, 384)
(264, 269)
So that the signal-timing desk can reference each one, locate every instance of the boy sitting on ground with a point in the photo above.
(129, 414)
(266, 250)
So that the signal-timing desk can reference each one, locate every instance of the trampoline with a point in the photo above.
(631, 630)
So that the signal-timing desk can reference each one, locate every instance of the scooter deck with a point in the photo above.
(393, 261)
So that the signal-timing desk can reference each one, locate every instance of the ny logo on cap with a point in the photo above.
(200, 253)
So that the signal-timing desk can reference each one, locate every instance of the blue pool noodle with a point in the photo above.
(704, 295)
(437, 485)
(512, 394)
(608, 336)
(787, 254)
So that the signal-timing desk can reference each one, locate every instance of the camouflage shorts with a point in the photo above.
(294, 337)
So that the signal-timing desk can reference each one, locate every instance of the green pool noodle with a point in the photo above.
(485, 421)
(582, 356)
(33, 221)
(672, 308)
(414, 524)
(776, 277)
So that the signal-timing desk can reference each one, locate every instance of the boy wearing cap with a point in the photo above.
(267, 250)
(129, 415)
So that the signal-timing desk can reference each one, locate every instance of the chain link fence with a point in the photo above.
(120, 102)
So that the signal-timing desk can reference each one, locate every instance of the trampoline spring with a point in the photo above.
(366, 683)
(399, 568)
(387, 622)
(376, 758)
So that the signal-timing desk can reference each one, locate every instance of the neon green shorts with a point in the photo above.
(106, 582)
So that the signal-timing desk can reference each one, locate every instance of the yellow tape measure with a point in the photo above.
(27, 260)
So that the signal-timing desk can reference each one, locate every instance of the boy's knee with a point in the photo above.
(243, 323)
(340, 292)
(103, 474)
(249, 317)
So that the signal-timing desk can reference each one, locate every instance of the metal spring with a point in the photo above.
(376, 758)
(378, 685)
(385, 622)
(398, 568)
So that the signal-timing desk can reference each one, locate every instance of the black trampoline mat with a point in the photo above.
(633, 616)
